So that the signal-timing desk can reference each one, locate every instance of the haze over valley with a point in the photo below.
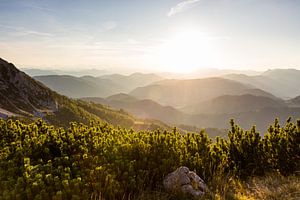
(203, 103)
(149, 100)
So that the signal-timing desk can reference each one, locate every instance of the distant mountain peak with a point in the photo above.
(271, 72)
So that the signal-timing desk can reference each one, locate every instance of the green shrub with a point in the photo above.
(38, 161)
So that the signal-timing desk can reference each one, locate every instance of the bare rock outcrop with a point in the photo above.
(184, 181)
(21, 94)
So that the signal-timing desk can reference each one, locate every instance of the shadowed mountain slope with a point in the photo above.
(233, 104)
(294, 102)
(27, 99)
(80, 86)
(101, 86)
(283, 83)
(247, 109)
(21, 94)
(146, 109)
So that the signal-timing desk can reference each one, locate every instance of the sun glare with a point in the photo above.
(185, 52)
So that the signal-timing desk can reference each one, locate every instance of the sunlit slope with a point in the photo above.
(146, 109)
(25, 98)
(181, 93)
(284, 83)
(246, 109)
(99, 161)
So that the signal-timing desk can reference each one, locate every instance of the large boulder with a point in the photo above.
(184, 181)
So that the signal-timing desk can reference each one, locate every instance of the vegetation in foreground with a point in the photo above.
(38, 161)
(272, 186)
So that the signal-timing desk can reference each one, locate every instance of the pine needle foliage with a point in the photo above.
(99, 161)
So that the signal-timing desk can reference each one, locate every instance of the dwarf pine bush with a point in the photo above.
(39, 161)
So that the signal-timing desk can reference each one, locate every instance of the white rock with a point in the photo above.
(182, 180)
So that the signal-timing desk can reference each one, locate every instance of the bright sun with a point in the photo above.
(185, 52)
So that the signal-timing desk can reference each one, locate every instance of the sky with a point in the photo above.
(157, 35)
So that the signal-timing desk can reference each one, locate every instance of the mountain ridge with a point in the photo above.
(259, 113)
(101, 86)
(233, 104)
(27, 99)
(181, 93)
(283, 83)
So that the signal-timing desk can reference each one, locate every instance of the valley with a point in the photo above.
(205, 102)
(149, 100)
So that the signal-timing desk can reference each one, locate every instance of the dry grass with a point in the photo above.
(270, 187)
(275, 187)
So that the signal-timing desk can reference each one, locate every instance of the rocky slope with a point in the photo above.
(20, 94)
(27, 99)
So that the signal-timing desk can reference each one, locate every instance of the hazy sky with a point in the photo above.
(167, 35)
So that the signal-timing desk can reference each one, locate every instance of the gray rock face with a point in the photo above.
(184, 181)
(20, 94)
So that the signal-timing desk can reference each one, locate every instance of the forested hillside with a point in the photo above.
(24, 98)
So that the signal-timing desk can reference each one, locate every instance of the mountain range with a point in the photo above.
(295, 101)
(207, 102)
(26, 99)
(182, 93)
(102, 86)
(150, 100)
(45, 72)
(247, 110)
(283, 83)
